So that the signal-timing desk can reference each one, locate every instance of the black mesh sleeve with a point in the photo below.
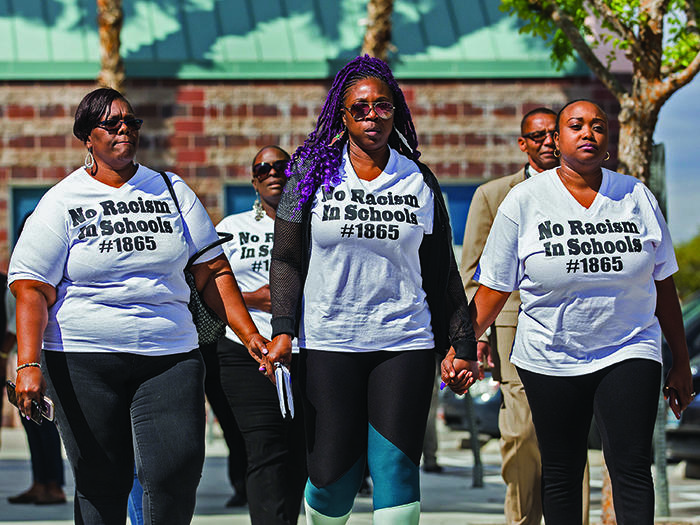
(461, 331)
(442, 282)
(288, 260)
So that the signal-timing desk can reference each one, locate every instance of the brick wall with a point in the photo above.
(208, 132)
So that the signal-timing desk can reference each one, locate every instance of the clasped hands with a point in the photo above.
(267, 353)
(459, 374)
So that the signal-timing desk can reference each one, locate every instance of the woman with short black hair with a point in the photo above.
(102, 310)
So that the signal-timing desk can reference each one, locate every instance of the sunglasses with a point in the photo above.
(262, 170)
(360, 110)
(113, 124)
(539, 136)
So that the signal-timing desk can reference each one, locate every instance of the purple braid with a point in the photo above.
(319, 156)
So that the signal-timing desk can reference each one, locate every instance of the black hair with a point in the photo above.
(556, 128)
(270, 146)
(536, 111)
(91, 109)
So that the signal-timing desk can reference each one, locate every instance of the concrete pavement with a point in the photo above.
(447, 498)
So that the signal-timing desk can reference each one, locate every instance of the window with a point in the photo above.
(23, 200)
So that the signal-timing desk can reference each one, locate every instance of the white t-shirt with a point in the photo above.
(249, 254)
(363, 289)
(116, 257)
(586, 276)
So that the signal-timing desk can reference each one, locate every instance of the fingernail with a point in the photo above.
(264, 351)
(442, 385)
(261, 369)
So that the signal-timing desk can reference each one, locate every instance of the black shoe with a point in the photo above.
(237, 500)
(436, 469)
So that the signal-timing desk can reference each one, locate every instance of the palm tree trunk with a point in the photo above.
(109, 21)
(378, 35)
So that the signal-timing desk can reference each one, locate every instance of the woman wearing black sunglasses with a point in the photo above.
(276, 471)
(98, 276)
(363, 272)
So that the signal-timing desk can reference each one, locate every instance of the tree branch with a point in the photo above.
(564, 22)
(624, 31)
(691, 16)
(675, 81)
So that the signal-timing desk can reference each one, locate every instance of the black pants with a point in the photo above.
(623, 397)
(237, 462)
(45, 452)
(275, 448)
(114, 409)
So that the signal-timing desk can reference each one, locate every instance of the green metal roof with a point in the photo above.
(266, 39)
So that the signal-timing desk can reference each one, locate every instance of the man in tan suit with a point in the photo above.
(521, 465)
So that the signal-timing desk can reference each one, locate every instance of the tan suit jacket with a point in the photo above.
(482, 212)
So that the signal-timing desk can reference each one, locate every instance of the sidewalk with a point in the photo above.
(447, 498)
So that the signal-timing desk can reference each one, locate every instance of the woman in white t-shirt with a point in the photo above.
(590, 252)
(363, 272)
(102, 310)
(274, 447)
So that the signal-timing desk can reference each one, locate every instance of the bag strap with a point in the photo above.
(223, 236)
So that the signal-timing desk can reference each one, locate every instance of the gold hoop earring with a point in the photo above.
(607, 155)
(557, 153)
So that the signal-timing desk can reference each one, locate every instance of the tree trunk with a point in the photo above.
(378, 34)
(639, 112)
(109, 21)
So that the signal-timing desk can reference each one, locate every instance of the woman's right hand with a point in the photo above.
(30, 386)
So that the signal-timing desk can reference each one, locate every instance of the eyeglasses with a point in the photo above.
(540, 135)
(360, 110)
(113, 124)
(262, 170)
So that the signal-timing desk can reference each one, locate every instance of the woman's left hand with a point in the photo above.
(458, 374)
(678, 388)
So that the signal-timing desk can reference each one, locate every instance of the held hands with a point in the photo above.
(459, 374)
(257, 347)
(678, 388)
(30, 386)
(279, 350)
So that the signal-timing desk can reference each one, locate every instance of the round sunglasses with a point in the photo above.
(361, 110)
(262, 170)
(113, 124)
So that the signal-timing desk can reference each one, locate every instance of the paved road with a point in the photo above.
(448, 498)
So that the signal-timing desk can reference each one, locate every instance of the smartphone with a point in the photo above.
(39, 412)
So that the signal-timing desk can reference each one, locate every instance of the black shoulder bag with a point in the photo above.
(209, 326)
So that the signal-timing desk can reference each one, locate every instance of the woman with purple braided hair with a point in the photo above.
(364, 275)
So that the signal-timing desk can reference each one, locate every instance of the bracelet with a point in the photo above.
(27, 365)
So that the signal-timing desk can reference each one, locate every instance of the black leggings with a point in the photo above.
(383, 397)
(623, 397)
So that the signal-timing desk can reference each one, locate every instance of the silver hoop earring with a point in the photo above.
(258, 208)
(89, 160)
(403, 139)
